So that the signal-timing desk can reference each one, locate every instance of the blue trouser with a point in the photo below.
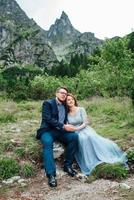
(70, 139)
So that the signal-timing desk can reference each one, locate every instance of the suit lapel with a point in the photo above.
(55, 105)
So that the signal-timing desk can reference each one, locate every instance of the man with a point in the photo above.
(53, 127)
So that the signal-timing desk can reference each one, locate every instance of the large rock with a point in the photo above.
(58, 150)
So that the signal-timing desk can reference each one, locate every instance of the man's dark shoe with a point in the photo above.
(52, 182)
(70, 171)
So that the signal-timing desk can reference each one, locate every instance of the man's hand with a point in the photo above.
(69, 127)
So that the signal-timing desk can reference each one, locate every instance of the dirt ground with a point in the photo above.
(68, 189)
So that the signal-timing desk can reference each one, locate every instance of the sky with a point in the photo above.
(104, 18)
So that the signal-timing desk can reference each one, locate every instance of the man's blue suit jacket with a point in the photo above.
(50, 117)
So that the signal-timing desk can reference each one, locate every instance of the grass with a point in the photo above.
(111, 171)
(6, 117)
(112, 118)
(20, 152)
(8, 167)
(8, 110)
(28, 170)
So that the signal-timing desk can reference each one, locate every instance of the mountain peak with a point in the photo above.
(63, 15)
(63, 20)
(62, 31)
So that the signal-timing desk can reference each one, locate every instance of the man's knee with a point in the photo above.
(73, 137)
(47, 140)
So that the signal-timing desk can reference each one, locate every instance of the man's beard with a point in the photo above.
(60, 100)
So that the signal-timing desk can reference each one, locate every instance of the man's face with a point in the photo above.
(61, 95)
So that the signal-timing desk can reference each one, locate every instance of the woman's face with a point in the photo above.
(70, 101)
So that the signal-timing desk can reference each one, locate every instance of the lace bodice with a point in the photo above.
(78, 118)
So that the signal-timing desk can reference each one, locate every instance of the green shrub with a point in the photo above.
(130, 156)
(8, 168)
(3, 82)
(27, 170)
(43, 87)
(111, 171)
(18, 92)
(19, 95)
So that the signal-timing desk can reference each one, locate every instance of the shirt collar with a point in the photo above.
(58, 102)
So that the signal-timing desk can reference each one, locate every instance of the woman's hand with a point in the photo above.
(69, 127)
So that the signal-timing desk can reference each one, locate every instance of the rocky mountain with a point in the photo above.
(66, 40)
(21, 39)
(61, 35)
(84, 44)
(62, 32)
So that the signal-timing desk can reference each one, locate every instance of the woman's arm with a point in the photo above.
(84, 119)
(80, 127)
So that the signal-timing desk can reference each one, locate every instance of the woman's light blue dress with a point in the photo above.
(93, 149)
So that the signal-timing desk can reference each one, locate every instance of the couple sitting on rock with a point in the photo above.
(64, 121)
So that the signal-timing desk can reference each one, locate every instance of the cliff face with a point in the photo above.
(21, 39)
(61, 35)
(84, 44)
(62, 32)
(65, 39)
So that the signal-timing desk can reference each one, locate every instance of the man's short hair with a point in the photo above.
(62, 87)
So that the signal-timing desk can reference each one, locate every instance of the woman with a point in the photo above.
(93, 149)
